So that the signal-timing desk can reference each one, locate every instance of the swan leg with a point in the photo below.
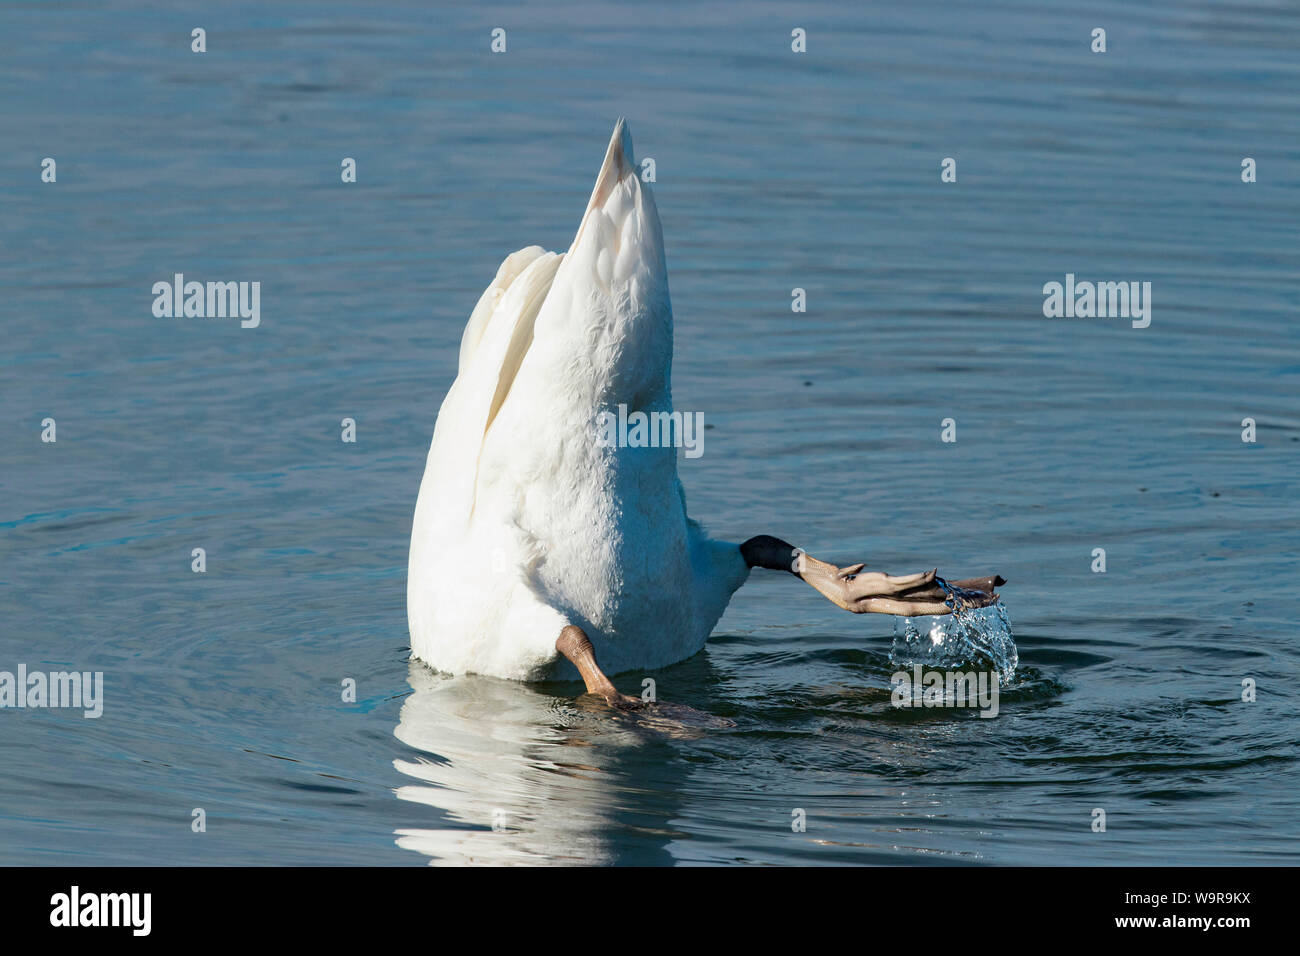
(574, 644)
(674, 719)
(906, 595)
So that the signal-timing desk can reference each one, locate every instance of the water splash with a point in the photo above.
(976, 638)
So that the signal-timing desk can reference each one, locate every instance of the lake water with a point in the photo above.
(775, 171)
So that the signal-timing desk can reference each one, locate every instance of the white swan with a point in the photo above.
(532, 541)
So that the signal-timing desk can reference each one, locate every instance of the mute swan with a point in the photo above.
(534, 543)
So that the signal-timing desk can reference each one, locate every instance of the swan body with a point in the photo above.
(525, 523)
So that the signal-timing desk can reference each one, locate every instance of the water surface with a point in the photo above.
(775, 171)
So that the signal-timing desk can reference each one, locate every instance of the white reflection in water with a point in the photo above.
(501, 753)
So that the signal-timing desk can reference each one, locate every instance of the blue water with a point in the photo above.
(775, 170)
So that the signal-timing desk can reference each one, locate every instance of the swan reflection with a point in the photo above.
(516, 775)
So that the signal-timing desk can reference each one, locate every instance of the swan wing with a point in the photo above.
(462, 584)
(493, 347)
(514, 264)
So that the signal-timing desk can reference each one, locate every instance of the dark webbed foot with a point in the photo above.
(969, 592)
(908, 595)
